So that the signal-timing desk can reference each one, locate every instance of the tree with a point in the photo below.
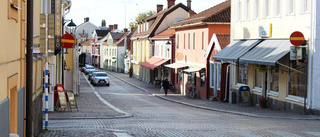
(140, 17)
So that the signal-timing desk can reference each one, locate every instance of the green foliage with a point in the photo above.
(140, 17)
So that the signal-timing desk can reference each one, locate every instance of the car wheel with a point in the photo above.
(108, 85)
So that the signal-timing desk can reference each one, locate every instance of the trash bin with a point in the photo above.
(234, 97)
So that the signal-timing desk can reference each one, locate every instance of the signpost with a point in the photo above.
(67, 41)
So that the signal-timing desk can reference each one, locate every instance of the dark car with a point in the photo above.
(91, 74)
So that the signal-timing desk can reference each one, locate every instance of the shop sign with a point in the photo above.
(179, 56)
(265, 30)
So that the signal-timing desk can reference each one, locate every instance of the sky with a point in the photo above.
(122, 12)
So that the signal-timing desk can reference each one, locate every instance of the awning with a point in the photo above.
(192, 70)
(267, 52)
(153, 62)
(176, 65)
(235, 50)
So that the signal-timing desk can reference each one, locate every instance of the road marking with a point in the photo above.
(122, 134)
(88, 81)
(110, 105)
(284, 134)
(314, 133)
(247, 134)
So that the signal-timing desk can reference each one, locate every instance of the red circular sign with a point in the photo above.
(297, 38)
(67, 41)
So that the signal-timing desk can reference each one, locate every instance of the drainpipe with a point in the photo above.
(311, 51)
(29, 75)
(226, 87)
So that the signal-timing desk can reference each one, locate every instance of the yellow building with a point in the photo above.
(12, 67)
(156, 23)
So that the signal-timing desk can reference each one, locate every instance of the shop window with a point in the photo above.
(203, 78)
(13, 10)
(297, 81)
(274, 78)
(243, 73)
(211, 75)
(258, 79)
(189, 78)
(193, 78)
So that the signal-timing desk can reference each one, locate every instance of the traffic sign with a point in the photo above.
(296, 38)
(67, 41)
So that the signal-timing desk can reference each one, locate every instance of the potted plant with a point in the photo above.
(263, 102)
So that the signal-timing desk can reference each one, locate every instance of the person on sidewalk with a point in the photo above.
(165, 85)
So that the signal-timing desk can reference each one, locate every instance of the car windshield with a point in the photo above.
(90, 67)
(101, 74)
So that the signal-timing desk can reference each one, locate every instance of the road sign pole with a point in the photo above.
(46, 76)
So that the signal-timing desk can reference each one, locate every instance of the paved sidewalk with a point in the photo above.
(212, 105)
(89, 106)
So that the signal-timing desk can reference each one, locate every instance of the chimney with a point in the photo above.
(191, 13)
(110, 27)
(115, 26)
(159, 7)
(171, 3)
(125, 30)
(86, 19)
(103, 23)
(189, 4)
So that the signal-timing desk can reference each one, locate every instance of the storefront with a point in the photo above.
(265, 66)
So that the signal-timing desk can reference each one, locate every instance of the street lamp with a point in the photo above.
(71, 27)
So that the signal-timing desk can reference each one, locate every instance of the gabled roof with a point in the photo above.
(224, 40)
(168, 33)
(218, 13)
(116, 35)
(158, 17)
(102, 33)
(88, 22)
(88, 42)
(122, 39)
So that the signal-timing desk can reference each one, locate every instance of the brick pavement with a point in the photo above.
(213, 105)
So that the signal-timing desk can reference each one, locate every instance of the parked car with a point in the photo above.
(100, 78)
(84, 67)
(88, 69)
(91, 74)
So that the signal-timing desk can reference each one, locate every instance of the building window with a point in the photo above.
(192, 78)
(13, 10)
(274, 78)
(243, 73)
(258, 79)
(290, 7)
(194, 40)
(265, 9)
(203, 40)
(246, 10)
(297, 82)
(189, 77)
(277, 8)
(239, 9)
(218, 75)
(185, 41)
(305, 8)
(202, 78)
(177, 41)
(256, 9)
(189, 41)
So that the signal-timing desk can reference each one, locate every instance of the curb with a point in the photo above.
(214, 109)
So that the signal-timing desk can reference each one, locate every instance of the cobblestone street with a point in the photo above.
(125, 110)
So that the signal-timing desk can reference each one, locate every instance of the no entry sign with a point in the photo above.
(296, 38)
(67, 41)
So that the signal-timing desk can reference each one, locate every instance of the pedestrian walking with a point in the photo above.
(165, 85)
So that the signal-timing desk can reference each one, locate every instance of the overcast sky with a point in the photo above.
(113, 11)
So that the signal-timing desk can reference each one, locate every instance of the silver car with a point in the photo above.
(88, 69)
(91, 74)
(100, 78)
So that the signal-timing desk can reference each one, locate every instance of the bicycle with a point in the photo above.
(192, 92)
(173, 89)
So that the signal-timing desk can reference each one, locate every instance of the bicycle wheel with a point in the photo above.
(192, 95)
